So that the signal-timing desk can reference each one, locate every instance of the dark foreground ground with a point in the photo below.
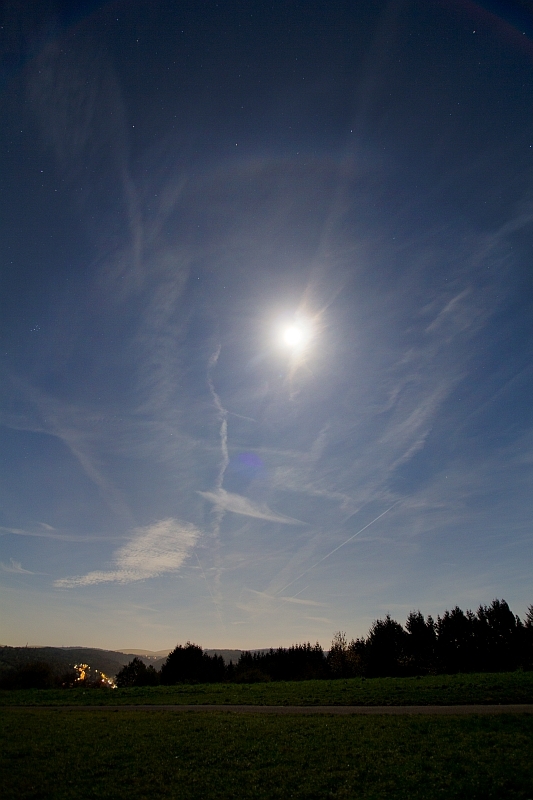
(459, 710)
(102, 753)
(436, 737)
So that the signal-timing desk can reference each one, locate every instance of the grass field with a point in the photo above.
(63, 754)
(484, 688)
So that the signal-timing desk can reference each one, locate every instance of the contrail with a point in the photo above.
(223, 415)
(339, 546)
(219, 511)
(209, 589)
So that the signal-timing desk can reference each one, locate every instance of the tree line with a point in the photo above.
(493, 639)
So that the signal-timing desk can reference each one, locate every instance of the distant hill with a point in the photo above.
(61, 658)
(227, 655)
(160, 655)
(107, 661)
(152, 654)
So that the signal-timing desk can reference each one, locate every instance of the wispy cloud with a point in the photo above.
(258, 603)
(460, 313)
(62, 537)
(15, 568)
(75, 426)
(152, 551)
(277, 598)
(238, 504)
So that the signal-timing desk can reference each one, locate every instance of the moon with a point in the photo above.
(293, 336)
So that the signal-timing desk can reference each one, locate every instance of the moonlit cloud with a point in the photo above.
(157, 549)
(15, 568)
(228, 501)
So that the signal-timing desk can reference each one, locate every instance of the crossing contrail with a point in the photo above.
(339, 546)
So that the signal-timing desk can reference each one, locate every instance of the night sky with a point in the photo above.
(266, 317)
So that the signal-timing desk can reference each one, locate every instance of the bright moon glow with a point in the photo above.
(293, 336)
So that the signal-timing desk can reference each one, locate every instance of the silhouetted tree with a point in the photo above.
(456, 645)
(190, 664)
(357, 657)
(420, 643)
(386, 648)
(137, 673)
(246, 671)
(295, 663)
(527, 640)
(346, 660)
(337, 656)
(498, 635)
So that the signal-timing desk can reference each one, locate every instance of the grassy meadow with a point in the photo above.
(65, 753)
(483, 688)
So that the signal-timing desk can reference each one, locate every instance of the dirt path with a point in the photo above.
(306, 710)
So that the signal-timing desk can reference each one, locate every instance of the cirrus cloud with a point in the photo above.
(227, 501)
(153, 550)
(16, 568)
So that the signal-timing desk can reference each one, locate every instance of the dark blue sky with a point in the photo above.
(182, 184)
